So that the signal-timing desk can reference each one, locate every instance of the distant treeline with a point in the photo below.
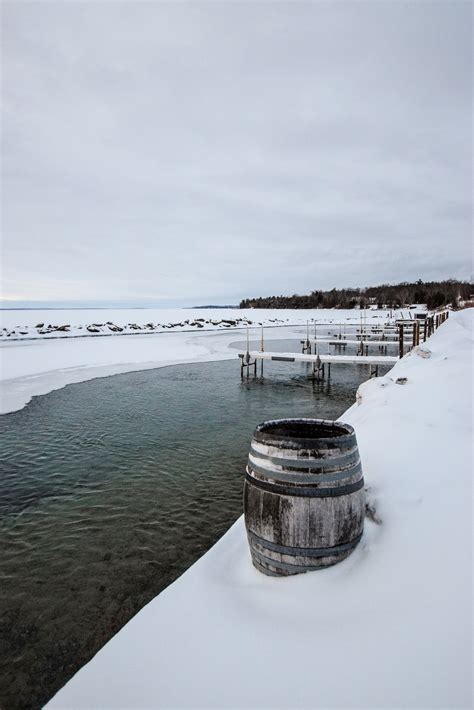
(434, 293)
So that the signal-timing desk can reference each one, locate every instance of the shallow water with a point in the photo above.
(111, 488)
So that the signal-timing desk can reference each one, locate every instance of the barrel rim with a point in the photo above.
(261, 435)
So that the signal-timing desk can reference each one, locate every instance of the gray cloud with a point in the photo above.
(211, 151)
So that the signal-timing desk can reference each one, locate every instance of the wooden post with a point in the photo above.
(425, 328)
(413, 342)
(400, 340)
(318, 368)
(374, 371)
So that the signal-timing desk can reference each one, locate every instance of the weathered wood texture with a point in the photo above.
(304, 497)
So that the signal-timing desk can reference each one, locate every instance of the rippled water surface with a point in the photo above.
(111, 488)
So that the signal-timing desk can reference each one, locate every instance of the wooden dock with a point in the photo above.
(318, 362)
(352, 338)
(332, 359)
(408, 338)
(351, 324)
(356, 342)
(313, 345)
(347, 341)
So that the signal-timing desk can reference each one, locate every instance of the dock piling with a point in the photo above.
(307, 342)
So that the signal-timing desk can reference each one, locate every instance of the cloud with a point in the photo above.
(216, 150)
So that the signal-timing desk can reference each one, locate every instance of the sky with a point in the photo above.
(203, 152)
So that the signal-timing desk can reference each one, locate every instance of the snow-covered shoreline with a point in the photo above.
(30, 369)
(35, 366)
(20, 325)
(389, 627)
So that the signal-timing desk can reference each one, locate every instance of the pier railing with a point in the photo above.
(411, 332)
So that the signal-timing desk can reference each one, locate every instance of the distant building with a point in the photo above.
(421, 310)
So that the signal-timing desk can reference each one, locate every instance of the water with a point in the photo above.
(111, 488)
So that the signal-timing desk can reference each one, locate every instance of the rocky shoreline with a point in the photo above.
(41, 330)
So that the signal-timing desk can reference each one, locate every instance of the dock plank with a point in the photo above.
(333, 359)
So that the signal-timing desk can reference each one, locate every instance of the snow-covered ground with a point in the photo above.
(389, 627)
(36, 364)
(27, 324)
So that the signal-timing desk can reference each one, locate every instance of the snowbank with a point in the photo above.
(389, 627)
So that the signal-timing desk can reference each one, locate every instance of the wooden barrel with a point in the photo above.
(304, 499)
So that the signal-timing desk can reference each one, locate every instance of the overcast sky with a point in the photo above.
(208, 151)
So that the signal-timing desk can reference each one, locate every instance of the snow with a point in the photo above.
(388, 627)
(33, 364)
(22, 324)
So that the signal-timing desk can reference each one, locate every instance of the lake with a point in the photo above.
(110, 489)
